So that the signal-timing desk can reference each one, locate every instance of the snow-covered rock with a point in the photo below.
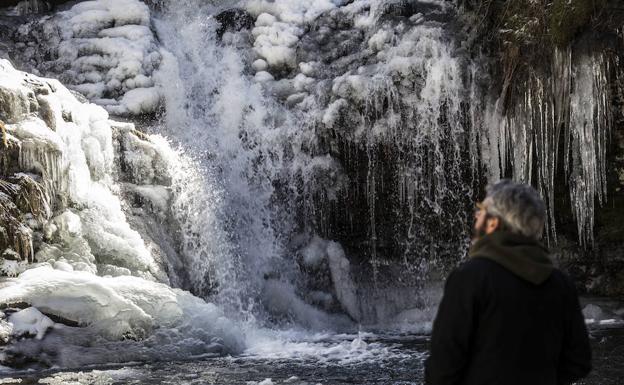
(103, 49)
(30, 321)
(120, 319)
(68, 146)
(6, 330)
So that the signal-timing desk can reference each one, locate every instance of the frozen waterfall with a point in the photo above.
(294, 164)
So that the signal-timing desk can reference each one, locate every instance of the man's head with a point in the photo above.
(512, 207)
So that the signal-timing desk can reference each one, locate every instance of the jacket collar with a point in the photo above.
(523, 256)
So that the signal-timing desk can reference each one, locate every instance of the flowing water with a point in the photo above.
(338, 359)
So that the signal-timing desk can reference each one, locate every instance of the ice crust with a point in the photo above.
(137, 319)
(103, 49)
(113, 306)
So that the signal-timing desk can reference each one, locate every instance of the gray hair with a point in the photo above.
(518, 206)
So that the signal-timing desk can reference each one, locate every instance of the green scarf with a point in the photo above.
(525, 257)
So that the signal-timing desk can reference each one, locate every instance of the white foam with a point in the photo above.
(321, 348)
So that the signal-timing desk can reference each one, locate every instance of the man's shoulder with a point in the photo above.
(476, 265)
(473, 268)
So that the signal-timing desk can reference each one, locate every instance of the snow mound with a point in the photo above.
(114, 310)
(279, 26)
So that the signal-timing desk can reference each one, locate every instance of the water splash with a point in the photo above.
(240, 138)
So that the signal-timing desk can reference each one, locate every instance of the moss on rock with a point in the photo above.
(568, 17)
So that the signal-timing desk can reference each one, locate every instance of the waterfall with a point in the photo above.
(362, 142)
(329, 149)
(239, 138)
(294, 165)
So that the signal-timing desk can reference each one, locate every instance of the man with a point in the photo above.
(507, 315)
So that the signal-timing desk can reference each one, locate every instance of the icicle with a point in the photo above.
(590, 127)
(574, 103)
(47, 162)
(371, 197)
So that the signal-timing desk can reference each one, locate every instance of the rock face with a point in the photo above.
(383, 89)
(417, 123)
(29, 7)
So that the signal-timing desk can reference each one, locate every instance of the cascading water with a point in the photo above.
(223, 118)
(372, 131)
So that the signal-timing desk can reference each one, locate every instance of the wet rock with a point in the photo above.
(140, 161)
(11, 255)
(233, 20)
(15, 103)
(6, 329)
(407, 8)
(31, 7)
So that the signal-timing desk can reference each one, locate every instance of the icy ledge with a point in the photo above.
(77, 281)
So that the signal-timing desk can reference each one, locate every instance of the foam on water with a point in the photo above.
(322, 348)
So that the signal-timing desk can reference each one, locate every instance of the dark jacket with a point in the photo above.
(508, 317)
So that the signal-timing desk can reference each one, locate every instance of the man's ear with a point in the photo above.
(492, 224)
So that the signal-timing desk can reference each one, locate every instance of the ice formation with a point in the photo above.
(73, 157)
(410, 81)
(104, 49)
(574, 105)
(84, 271)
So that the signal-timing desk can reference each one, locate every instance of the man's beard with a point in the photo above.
(478, 232)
